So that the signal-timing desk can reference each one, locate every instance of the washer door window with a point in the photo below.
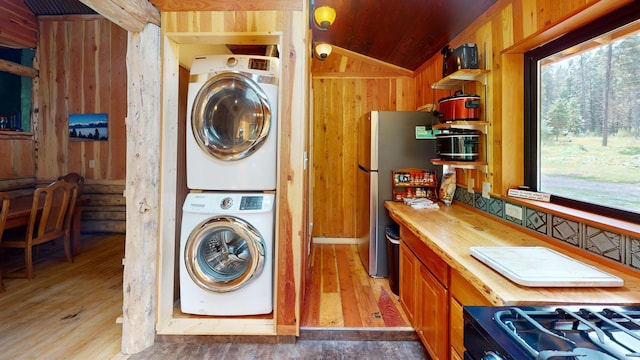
(224, 253)
(231, 116)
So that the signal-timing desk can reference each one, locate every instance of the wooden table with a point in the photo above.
(20, 209)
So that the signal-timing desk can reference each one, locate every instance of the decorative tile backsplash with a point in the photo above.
(610, 245)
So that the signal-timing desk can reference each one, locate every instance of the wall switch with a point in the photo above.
(513, 210)
(470, 183)
(486, 186)
(92, 164)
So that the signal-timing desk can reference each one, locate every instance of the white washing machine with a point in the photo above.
(232, 116)
(226, 254)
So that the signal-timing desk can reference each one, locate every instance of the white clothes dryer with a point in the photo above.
(232, 116)
(226, 254)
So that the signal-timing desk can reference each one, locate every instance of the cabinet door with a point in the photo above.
(462, 294)
(432, 314)
(457, 327)
(407, 281)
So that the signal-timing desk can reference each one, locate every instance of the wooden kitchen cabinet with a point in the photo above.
(433, 295)
(408, 264)
(432, 317)
(462, 293)
(423, 293)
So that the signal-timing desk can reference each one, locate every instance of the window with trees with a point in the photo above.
(582, 123)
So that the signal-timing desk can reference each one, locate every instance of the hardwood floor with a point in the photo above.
(340, 294)
(69, 310)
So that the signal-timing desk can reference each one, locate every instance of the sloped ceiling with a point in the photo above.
(405, 33)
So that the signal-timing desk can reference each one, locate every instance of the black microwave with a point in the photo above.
(463, 57)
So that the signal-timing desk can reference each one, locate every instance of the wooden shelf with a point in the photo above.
(459, 77)
(469, 125)
(482, 165)
(419, 182)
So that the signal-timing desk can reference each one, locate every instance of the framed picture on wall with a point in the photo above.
(87, 127)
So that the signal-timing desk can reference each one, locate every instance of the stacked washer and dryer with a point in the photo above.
(227, 236)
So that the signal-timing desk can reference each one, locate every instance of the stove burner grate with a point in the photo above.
(574, 334)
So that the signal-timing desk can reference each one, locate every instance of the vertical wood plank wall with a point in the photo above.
(19, 27)
(82, 71)
(345, 87)
(17, 168)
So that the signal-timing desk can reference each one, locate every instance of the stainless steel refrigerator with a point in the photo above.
(388, 140)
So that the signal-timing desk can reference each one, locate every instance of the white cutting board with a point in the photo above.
(540, 266)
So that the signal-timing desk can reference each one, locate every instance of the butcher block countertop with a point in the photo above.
(451, 230)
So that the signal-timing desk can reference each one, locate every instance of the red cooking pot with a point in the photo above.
(459, 107)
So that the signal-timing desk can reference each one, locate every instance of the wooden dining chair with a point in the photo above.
(58, 201)
(4, 211)
(73, 177)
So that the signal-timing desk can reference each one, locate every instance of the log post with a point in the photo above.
(142, 189)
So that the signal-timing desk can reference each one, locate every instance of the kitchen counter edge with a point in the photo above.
(450, 230)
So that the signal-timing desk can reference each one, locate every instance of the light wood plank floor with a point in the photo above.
(340, 294)
(69, 310)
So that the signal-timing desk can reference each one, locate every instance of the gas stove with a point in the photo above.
(552, 332)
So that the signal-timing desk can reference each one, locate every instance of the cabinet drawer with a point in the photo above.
(427, 257)
(462, 294)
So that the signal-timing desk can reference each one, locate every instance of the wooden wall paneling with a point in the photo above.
(117, 109)
(104, 92)
(106, 209)
(510, 161)
(485, 37)
(19, 27)
(221, 21)
(345, 63)
(502, 152)
(23, 160)
(320, 171)
(206, 6)
(169, 233)
(77, 149)
(18, 161)
(290, 233)
(7, 165)
(340, 100)
(82, 71)
(48, 86)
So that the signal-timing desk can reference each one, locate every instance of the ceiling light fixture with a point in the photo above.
(322, 51)
(324, 16)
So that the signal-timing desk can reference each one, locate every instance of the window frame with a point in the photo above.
(609, 22)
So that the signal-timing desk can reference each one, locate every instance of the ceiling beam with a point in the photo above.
(131, 15)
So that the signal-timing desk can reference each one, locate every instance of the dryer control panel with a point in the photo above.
(251, 203)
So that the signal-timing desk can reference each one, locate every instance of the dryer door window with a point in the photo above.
(231, 116)
(224, 254)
